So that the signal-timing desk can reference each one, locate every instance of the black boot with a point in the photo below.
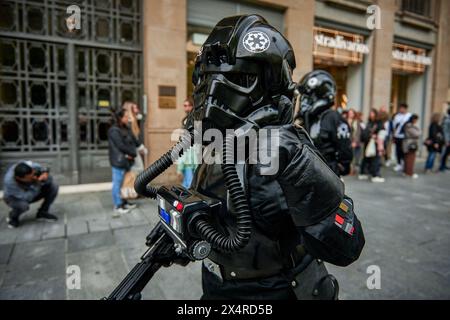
(46, 216)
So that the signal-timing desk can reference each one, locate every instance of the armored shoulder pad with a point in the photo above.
(312, 190)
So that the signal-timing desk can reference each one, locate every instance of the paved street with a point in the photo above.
(406, 222)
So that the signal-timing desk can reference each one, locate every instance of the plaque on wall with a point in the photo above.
(167, 97)
(103, 103)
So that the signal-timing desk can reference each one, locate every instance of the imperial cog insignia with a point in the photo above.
(256, 41)
(343, 131)
(313, 82)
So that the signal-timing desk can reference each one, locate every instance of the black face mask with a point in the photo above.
(314, 101)
(223, 100)
(306, 104)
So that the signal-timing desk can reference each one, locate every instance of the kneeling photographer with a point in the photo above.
(27, 182)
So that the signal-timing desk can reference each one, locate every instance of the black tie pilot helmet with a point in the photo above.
(317, 93)
(244, 64)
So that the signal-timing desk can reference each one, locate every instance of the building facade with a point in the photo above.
(58, 85)
(381, 52)
(401, 55)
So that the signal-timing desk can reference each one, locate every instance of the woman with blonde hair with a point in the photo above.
(134, 116)
(132, 110)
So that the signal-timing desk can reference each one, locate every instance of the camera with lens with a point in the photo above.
(39, 171)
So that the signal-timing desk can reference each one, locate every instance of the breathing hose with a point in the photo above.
(141, 185)
(237, 195)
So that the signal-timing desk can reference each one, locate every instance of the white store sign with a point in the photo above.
(410, 56)
(338, 42)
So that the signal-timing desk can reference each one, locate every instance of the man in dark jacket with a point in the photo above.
(25, 183)
(122, 151)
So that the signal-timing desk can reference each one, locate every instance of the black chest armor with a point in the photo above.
(274, 236)
(323, 132)
(279, 204)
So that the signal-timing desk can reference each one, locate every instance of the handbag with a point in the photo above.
(413, 146)
(428, 142)
(138, 165)
(371, 149)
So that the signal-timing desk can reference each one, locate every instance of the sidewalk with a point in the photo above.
(34, 257)
(406, 223)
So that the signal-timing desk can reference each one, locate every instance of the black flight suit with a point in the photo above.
(302, 192)
(324, 133)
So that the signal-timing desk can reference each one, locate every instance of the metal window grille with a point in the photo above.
(42, 62)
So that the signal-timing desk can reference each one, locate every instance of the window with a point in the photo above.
(420, 7)
(206, 13)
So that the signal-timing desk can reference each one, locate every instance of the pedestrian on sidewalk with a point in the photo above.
(27, 182)
(187, 164)
(373, 137)
(355, 123)
(446, 149)
(122, 152)
(188, 106)
(134, 118)
(411, 145)
(434, 142)
(398, 122)
(383, 116)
